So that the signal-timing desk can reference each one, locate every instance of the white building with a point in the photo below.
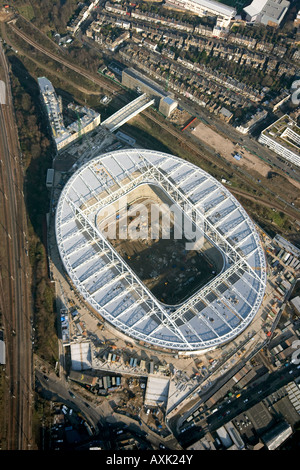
(267, 12)
(224, 13)
(283, 137)
(62, 135)
(81, 356)
(2, 352)
(295, 302)
(83, 15)
(252, 122)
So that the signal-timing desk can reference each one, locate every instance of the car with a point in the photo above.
(72, 394)
(245, 401)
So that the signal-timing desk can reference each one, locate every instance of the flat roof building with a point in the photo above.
(296, 304)
(267, 12)
(81, 356)
(50, 177)
(252, 122)
(63, 135)
(277, 435)
(157, 391)
(207, 8)
(283, 137)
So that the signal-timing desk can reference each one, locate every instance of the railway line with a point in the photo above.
(14, 285)
(281, 206)
(14, 297)
(59, 59)
(292, 212)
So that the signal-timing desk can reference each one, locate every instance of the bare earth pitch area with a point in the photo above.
(172, 261)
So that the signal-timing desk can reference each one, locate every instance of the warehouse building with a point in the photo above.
(267, 12)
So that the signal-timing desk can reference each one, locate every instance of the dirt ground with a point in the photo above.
(283, 185)
(226, 148)
(180, 117)
(165, 265)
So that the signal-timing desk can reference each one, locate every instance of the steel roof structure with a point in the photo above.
(212, 316)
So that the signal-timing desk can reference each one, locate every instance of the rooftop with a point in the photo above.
(267, 10)
(285, 132)
(215, 313)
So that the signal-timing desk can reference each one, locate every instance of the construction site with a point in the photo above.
(169, 254)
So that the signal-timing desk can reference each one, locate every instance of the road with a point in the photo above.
(15, 301)
(56, 389)
(253, 395)
(227, 411)
(100, 417)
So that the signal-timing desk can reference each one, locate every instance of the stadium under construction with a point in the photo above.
(157, 290)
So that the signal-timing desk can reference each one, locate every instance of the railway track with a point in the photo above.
(167, 127)
(14, 287)
(63, 61)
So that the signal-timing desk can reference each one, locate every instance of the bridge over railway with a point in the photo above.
(127, 112)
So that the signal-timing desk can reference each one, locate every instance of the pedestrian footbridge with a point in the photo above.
(127, 112)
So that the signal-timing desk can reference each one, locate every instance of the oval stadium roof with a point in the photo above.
(213, 315)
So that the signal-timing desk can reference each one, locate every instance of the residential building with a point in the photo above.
(226, 114)
(223, 12)
(62, 135)
(83, 15)
(283, 137)
(252, 122)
